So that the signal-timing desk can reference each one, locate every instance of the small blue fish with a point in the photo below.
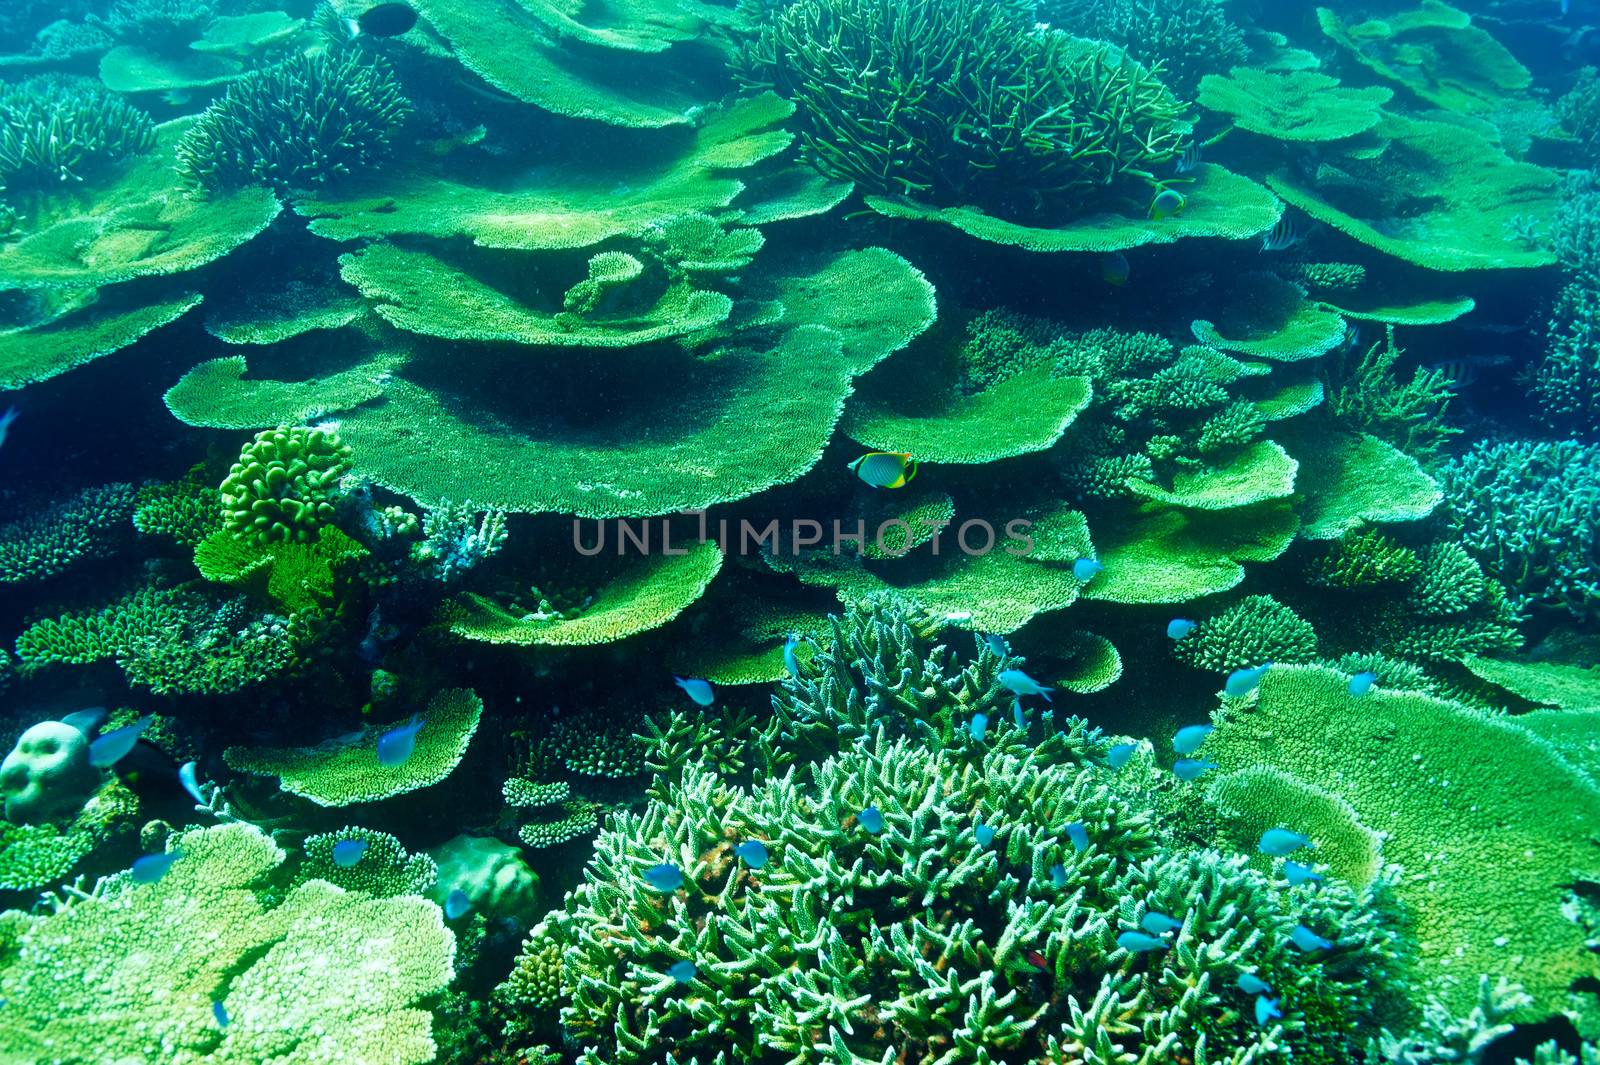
(5, 423)
(1189, 738)
(1167, 203)
(1362, 683)
(997, 645)
(1140, 942)
(348, 852)
(978, 727)
(220, 1012)
(1120, 754)
(1017, 714)
(664, 878)
(790, 662)
(114, 746)
(1191, 769)
(1298, 874)
(682, 971)
(1178, 628)
(984, 834)
(1243, 681)
(152, 867)
(1159, 924)
(1307, 940)
(1280, 841)
(885, 469)
(1058, 875)
(86, 721)
(1251, 984)
(1019, 683)
(191, 783)
(456, 904)
(698, 690)
(1079, 836)
(1086, 570)
(753, 853)
(1266, 1010)
(1115, 269)
(396, 745)
(871, 819)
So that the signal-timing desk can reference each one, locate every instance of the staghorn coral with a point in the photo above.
(284, 486)
(1530, 512)
(303, 122)
(952, 102)
(57, 132)
(917, 940)
(1370, 397)
(1183, 39)
(1364, 558)
(1255, 630)
(158, 24)
(130, 973)
(90, 526)
(1564, 381)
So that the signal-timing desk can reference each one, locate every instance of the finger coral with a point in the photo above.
(284, 485)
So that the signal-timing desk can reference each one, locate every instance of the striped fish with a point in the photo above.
(885, 469)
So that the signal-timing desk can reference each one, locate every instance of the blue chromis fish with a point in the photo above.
(5, 423)
(1019, 683)
(997, 645)
(1114, 269)
(1167, 204)
(790, 661)
(1191, 769)
(698, 690)
(1266, 1010)
(1362, 683)
(1242, 682)
(1140, 942)
(114, 746)
(885, 469)
(220, 1012)
(1058, 875)
(682, 971)
(456, 904)
(1251, 984)
(191, 783)
(86, 721)
(984, 834)
(1118, 755)
(1189, 738)
(753, 853)
(978, 727)
(1280, 841)
(664, 877)
(1307, 940)
(1086, 570)
(348, 852)
(1178, 628)
(1017, 715)
(152, 867)
(1298, 874)
(871, 819)
(1079, 835)
(1159, 924)
(396, 745)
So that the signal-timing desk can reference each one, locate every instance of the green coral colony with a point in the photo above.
(865, 532)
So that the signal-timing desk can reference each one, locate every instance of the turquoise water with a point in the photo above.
(858, 531)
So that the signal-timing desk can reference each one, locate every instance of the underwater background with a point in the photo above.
(866, 532)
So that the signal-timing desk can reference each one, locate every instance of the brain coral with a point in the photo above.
(284, 485)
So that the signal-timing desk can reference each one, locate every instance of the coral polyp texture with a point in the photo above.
(284, 485)
(784, 532)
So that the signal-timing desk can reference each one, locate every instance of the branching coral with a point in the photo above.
(1530, 511)
(919, 940)
(284, 485)
(1256, 630)
(1187, 38)
(1579, 110)
(92, 525)
(1370, 397)
(304, 122)
(1564, 382)
(955, 102)
(56, 131)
